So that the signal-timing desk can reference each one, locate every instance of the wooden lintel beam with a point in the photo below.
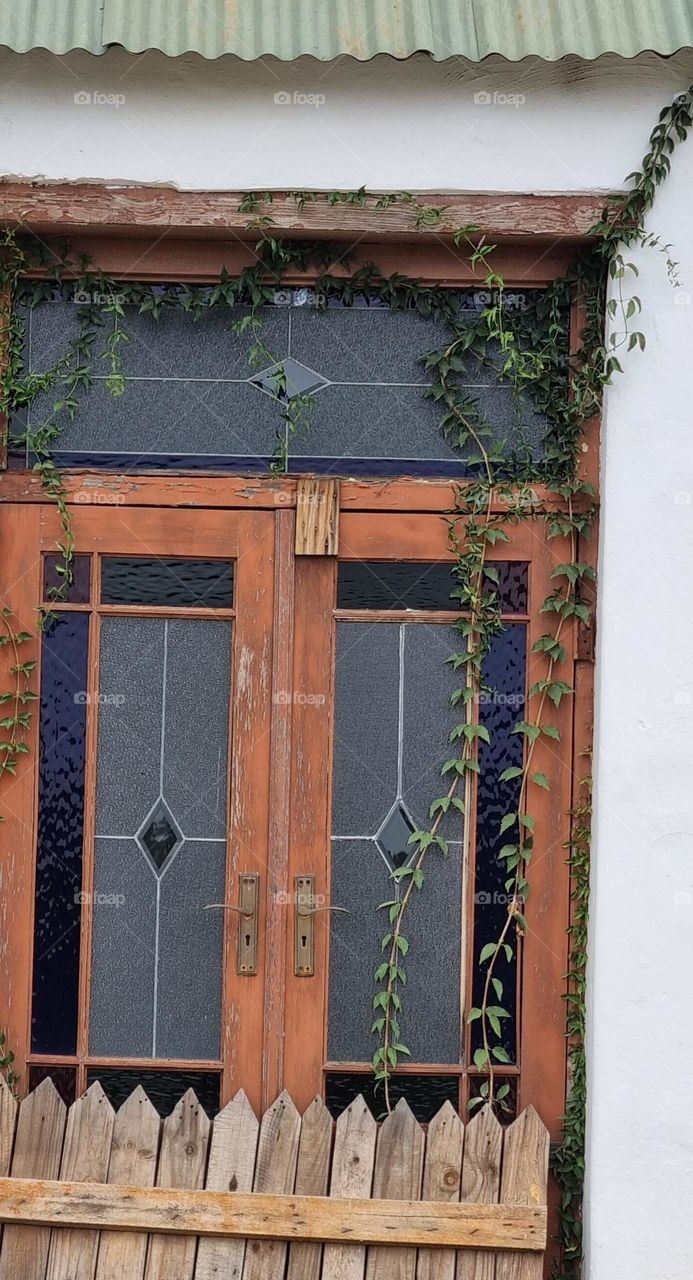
(59, 208)
(109, 489)
(272, 1217)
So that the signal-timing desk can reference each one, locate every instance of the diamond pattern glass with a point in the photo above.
(288, 379)
(393, 837)
(159, 836)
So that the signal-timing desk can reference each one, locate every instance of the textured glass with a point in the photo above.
(507, 1113)
(390, 584)
(392, 720)
(160, 836)
(79, 588)
(160, 849)
(418, 584)
(393, 837)
(60, 834)
(201, 584)
(193, 399)
(505, 673)
(512, 586)
(64, 1079)
(163, 1088)
(425, 1094)
(288, 379)
(366, 726)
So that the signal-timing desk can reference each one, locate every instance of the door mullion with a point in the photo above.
(277, 882)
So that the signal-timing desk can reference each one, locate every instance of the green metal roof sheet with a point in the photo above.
(328, 29)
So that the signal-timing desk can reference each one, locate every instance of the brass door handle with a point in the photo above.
(249, 898)
(304, 927)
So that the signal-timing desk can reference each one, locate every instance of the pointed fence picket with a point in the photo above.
(92, 1195)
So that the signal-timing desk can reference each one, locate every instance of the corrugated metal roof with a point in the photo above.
(58, 25)
(328, 29)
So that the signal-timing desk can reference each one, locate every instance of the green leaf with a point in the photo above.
(507, 775)
(541, 780)
(508, 820)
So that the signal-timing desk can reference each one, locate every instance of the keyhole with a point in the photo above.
(304, 940)
(247, 939)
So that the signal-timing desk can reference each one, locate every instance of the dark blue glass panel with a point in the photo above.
(203, 584)
(64, 1079)
(163, 1088)
(60, 832)
(384, 585)
(425, 1094)
(78, 589)
(506, 1112)
(501, 708)
(240, 465)
(235, 464)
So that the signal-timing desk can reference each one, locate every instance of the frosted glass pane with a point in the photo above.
(162, 769)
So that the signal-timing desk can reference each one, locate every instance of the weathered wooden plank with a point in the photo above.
(56, 207)
(398, 1168)
(481, 1167)
(8, 1104)
(108, 489)
(352, 1178)
(312, 1176)
(37, 1148)
(275, 1172)
(317, 516)
(270, 1218)
(182, 1162)
(524, 1181)
(8, 1117)
(134, 1150)
(441, 1181)
(85, 1158)
(231, 1168)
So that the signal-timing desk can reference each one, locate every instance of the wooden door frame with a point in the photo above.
(247, 538)
(163, 241)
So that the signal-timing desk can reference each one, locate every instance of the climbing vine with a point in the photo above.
(527, 347)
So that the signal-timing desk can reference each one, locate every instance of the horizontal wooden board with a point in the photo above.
(273, 1217)
(106, 490)
(60, 207)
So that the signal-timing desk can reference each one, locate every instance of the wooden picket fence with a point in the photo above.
(97, 1195)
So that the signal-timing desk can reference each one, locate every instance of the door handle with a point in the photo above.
(247, 910)
(304, 925)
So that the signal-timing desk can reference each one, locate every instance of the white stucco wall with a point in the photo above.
(416, 126)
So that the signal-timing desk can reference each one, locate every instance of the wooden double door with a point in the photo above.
(233, 745)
